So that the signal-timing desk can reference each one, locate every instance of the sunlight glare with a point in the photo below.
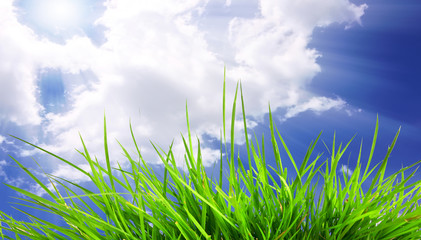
(58, 14)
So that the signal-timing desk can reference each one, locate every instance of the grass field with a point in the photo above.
(259, 203)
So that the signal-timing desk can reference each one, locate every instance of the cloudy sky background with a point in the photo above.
(329, 65)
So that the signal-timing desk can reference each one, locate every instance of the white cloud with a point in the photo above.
(69, 173)
(38, 190)
(3, 140)
(15, 181)
(271, 49)
(315, 104)
(346, 170)
(351, 112)
(22, 55)
(18, 101)
(307, 14)
(157, 55)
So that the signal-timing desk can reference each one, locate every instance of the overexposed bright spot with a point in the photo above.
(58, 14)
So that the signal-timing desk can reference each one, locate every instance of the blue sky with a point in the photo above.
(329, 65)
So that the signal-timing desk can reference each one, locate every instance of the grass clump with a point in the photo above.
(259, 203)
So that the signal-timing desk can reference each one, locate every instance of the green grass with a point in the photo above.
(259, 203)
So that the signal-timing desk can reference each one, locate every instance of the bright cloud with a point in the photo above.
(18, 91)
(76, 177)
(157, 55)
(315, 104)
(22, 55)
(307, 14)
(57, 14)
(345, 170)
(15, 181)
(272, 54)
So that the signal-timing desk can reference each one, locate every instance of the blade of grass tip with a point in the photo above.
(166, 176)
(107, 157)
(224, 129)
(94, 176)
(240, 170)
(117, 180)
(135, 165)
(264, 166)
(382, 169)
(40, 201)
(127, 184)
(188, 129)
(89, 194)
(189, 159)
(220, 163)
(356, 174)
(341, 152)
(245, 124)
(233, 123)
(223, 106)
(335, 161)
(274, 144)
(82, 229)
(199, 157)
(257, 155)
(59, 198)
(332, 158)
(310, 149)
(36, 179)
(231, 162)
(52, 154)
(28, 229)
(333, 146)
(373, 145)
(124, 173)
(289, 155)
(145, 168)
(135, 144)
(250, 170)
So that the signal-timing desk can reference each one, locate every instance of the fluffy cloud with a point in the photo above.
(15, 181)
(152, 62)
(315, 104)
(76, 177)
(4, 142)
(18, 101)
(307, 14)
(345, 170)
(271, 49)
(156, 56)
(22, 55)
